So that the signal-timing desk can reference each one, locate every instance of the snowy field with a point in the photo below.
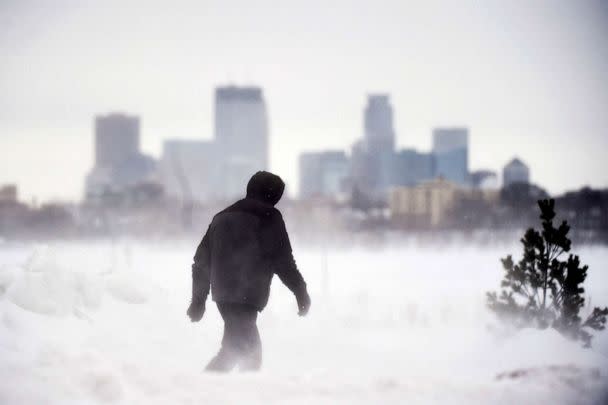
(106, 323)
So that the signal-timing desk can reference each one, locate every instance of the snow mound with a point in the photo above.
(127, 288)
(530, 347)
(399, 335)
(7, 275)
(46, 285)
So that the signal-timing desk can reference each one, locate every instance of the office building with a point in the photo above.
(118, 160)
(379, 141)
(425, 204)
(429, 203)
(451, 151)
(116, 139)
(323, 173)
(189, 170)
(515, 171)
(241, 133)
(411, 167)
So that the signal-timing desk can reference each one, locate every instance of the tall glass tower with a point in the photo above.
(451, 152)
(241, 133)
(379, 140)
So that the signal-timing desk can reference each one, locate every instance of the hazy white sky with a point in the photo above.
(529, 78)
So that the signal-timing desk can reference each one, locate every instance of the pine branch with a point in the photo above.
(597, 319)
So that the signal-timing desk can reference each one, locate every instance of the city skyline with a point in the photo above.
(203, 171)
(399, 148)
(520, 89)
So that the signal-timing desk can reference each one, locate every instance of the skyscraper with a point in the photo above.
(378, 121)
(241, 132)
(116, 139)
(411, 167)
(379, 138)
(323, 173)
(118, 160)
(451, 151)
(189, 170)
(515, 171)
(359, 167)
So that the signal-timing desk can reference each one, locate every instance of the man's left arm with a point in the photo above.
(285, 266)
(200, 279)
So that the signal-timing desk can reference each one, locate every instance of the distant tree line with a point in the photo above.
(585, 209)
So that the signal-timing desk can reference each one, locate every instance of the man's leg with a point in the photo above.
(251, 360)
(228, 356)
(241, 341)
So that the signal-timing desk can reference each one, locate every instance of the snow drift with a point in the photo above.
(106, 323)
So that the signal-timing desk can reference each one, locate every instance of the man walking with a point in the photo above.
(245, 245)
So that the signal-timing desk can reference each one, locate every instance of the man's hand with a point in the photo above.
(196, 310)
(303, 303)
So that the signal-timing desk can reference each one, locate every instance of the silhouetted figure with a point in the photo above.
(245, 245)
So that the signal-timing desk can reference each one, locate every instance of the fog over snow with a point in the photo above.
(106, 323)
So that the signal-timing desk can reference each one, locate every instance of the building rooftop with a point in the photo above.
(516, 162)
(231, 92)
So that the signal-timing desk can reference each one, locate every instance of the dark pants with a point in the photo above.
(241, 341)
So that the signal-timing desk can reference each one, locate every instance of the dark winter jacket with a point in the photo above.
(245, 245)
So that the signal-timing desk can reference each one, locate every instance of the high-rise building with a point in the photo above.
(241, 133)
(118, 160)
(372, 157)
(323, 173)
(411, 167)
(116, 139)
(379, 141)
(451, 151)
(189, 170)
(378, 121)
(515, 171)
(359, 167)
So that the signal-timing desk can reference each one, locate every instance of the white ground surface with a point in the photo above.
(106, 323)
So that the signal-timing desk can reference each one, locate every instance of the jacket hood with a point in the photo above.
(265, 187)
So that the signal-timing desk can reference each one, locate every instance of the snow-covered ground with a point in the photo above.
(106, 323)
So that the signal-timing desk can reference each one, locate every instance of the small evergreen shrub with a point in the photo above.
(542, 290)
